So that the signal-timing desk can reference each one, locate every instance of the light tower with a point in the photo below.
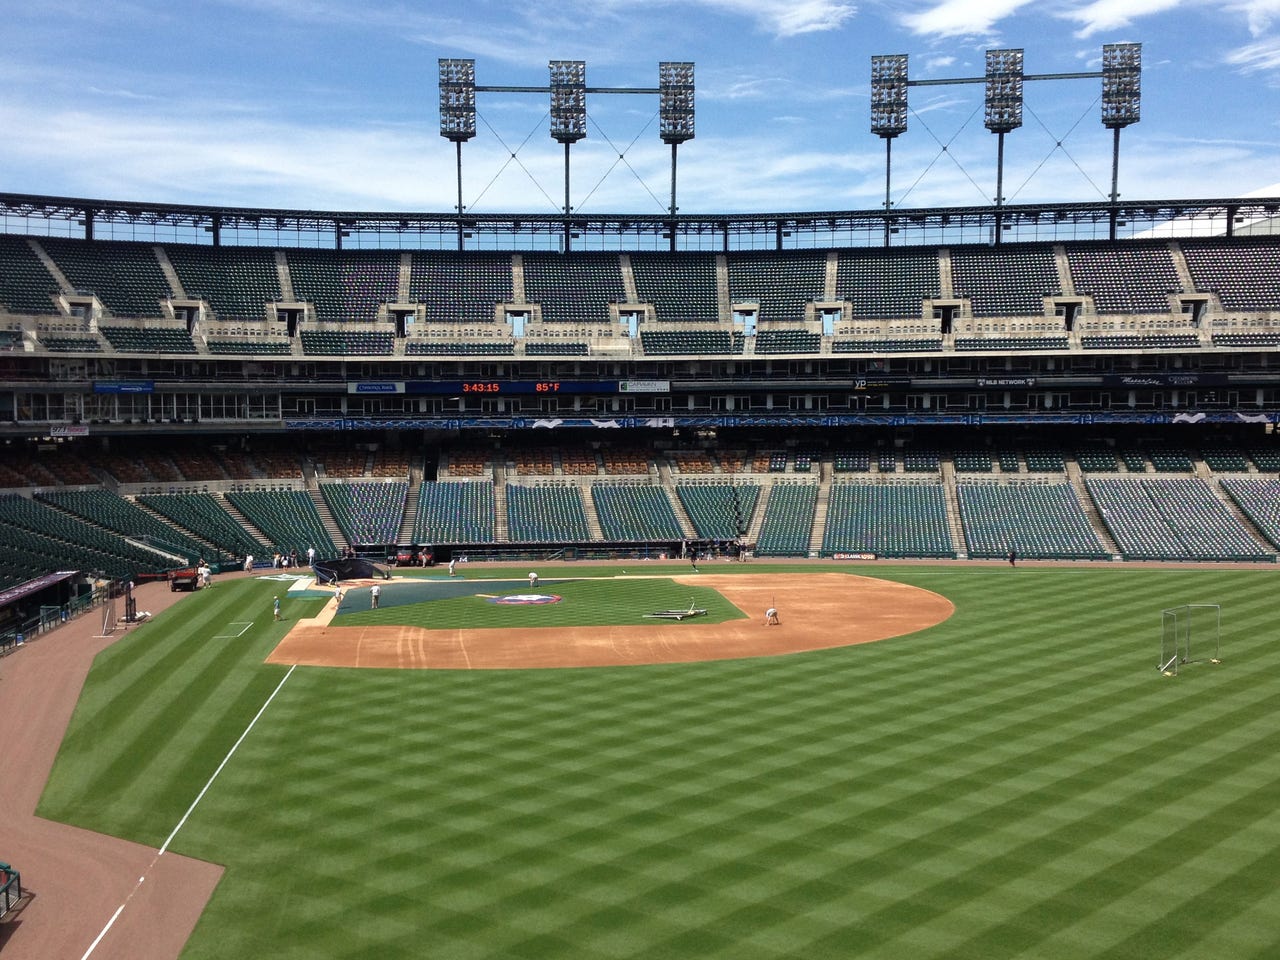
(568, 115)
(675, 113)
(458, 112)
(888, 113)
(1121, 102)
(1003, 107)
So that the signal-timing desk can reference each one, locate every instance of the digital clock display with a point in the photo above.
(511, 386)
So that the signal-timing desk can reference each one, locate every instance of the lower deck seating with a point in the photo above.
(203, 515)
(369, 512)
(638, 512)
(455, 511)
(1258, 499)
(788, 520)
(1171, 518)
(547, 513)
(1043, 521)
(719, 511)
(287, 517)
(888, 520)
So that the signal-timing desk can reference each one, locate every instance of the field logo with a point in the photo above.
(525, 599)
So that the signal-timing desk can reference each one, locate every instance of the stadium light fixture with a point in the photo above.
(675, 114)
(568, 100)
(889, 95)
(888, 113)
(675, 101)
(457, 99)
(1004, 91)
(1121, 84)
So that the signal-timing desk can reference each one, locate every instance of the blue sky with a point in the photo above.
(332, 104)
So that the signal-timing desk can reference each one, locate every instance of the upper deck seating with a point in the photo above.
(126, 277)
(780, 282)
(681, 286)
(1009, 281)
(1124, 278)
(149, 339)
(787, 341)
(888, 284)
(577, 288)
(1244, 272)
(236, 282)
(345, 285)
(25, 285)
(460, 287)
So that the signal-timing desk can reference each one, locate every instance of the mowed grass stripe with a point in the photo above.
(191, 698)
(946, 794)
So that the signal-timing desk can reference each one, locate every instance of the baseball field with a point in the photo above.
(925, 761)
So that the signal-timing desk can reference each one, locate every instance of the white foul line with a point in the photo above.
(168, 840)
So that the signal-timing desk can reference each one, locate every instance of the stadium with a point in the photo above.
(998, 462)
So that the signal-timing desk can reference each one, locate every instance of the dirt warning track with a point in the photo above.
(817, 611)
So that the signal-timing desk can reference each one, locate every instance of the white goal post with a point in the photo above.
(1190, 633)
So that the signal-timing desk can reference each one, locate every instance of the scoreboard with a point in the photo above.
(499, 387)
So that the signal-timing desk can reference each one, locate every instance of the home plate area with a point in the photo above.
(820, 611)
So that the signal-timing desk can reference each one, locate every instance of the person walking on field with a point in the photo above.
(453, 566)
(374, 593)
(275, 606)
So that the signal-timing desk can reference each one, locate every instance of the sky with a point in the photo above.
(333, 104)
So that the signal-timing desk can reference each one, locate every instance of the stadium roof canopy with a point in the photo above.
(184, 223)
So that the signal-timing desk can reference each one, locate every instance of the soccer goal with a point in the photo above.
(1190, 633)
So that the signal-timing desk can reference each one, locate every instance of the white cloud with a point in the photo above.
(961, 18)
(1103, 15)
(1263, 55)
(1258, 13)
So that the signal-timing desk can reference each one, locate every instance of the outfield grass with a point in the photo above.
(1015, 782)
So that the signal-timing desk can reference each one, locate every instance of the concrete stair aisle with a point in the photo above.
(326, 517)
(757, 519)
(409, 520)
(952, 503)
(212, 549)
(1075, 476)
(668, 481)
(501, 529)
(589, 508)
(819, 531)
(244, 521)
